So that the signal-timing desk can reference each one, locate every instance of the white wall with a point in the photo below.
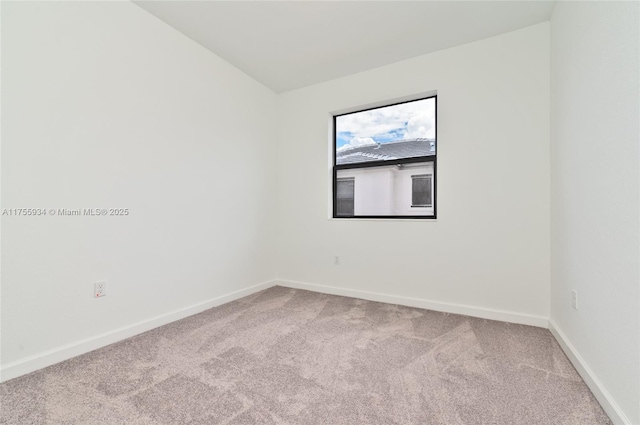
(106, 106)
(595, 234)
(403, 188)
(386, 190)
(489, 248)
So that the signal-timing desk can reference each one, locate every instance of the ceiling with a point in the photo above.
(291, 44)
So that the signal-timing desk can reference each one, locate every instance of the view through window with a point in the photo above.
(385, 161)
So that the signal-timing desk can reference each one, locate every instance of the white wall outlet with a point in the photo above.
(574, 299)
(336, 260)
(100, 289)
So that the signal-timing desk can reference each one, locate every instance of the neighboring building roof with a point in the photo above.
(409, 148)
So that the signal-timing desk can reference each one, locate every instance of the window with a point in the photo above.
(344, 197)
(384, 162)
(421, 190)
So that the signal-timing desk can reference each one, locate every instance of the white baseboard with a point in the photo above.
(50, 357)
(56, 355)
(484, 313)
(601, 394)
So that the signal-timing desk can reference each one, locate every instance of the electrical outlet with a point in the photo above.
(100, 289)
(574, 299)
(336, 260)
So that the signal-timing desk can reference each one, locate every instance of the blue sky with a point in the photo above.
(382, 125)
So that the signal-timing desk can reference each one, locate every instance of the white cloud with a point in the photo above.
(420, 125)
(404, 121)
(356, 142)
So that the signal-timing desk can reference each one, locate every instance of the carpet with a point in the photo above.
(287, 356)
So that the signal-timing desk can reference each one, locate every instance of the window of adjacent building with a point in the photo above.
(344, 196)
(421, 190)
(384, 162)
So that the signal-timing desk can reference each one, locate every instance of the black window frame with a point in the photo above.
(383, 163)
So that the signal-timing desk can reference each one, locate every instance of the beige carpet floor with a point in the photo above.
(285, 356)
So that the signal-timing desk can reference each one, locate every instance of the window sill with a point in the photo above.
(412, 220)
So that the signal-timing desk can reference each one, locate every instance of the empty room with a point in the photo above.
(320, 212)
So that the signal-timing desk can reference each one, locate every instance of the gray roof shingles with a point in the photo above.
(387, 151)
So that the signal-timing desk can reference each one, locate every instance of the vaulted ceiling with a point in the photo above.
(291, 44)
